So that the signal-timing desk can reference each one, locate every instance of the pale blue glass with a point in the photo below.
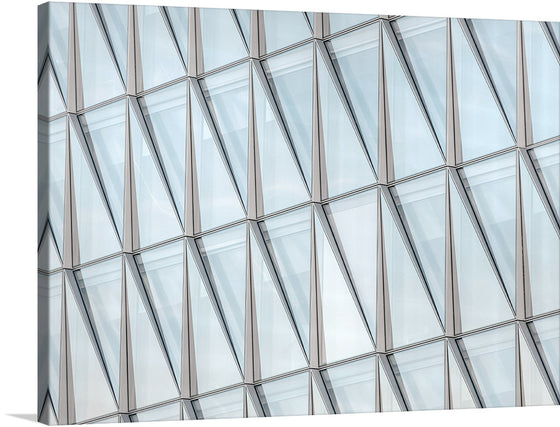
(352, 386)
(48, 258)
(543, 72)
(424, 41)
(341, 21)
(283, 28)
(555, 30)
(109, 420)
(171, 412)
(356, 56)
(228, 94)
(421, 371)
(358, 244)
(116, 21)
(287, 396)
(50, 103)
(228, 404)
(491, 356)
(179, 18)
(547, 162)
(221, 40)
(244, 18)
(310, 17)
(421, 204)
(160, 59)
(57, 22)
(291, 77)
(288, 239)
(548, 336)
(100, 78)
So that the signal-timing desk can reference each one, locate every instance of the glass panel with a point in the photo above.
(543, 72)
(310, 17)
(179, 19)
(48, 258)
(421, 204)
(225, 255)
(281, 185)
(170, 412)
(215, 363)
(480, 295)
(284, 28)
(358, 244)
(100, 78)
(483, 129)
(221, 41)
(491, 186)
(421, 371)
(555, 29)
(389, 402)
(162, 273)
(279, 349)
(288, 396)
(355, 56)
(219, 203)
(318, 404)
(340, 21)
(547, 337)
(498, 40)
(244, 18)
(412, 317)
(96, 235)
(100, 286)
(160, 59)
(156, 218)
(345, 334)
(491, 357)
(342, 148)
(223, 405)
(547, 162)
(166, 111)
(414, 148)
(424, 42)
(291, 77)
(228, 93)
(352, 386)
(542, 248)
(460, 396)
(116, 22)
(50, 103)
(534, 389)
(57, 24)
(106, 129)
(87, 374)
(288, 238)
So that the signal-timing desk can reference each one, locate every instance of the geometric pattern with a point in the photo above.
(252, 213)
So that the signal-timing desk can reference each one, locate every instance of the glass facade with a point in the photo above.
(263, 213)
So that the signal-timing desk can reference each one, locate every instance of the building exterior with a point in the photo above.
(261, 213)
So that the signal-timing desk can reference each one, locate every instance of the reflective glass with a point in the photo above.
(228, 404)
(534, 389)
(116, 22)
(555, 29)
(221, 40)
(355, 56)
(460, 395)
(352, 386)
(389, 401)
(170, 412)
(291, 77)
(340, 21)
(179, 18)
(548, 339)
(491, 357)
(319, 407)
(228, 96)
(50, 103)
(284, 28)
(48, 258)
(547, 162)
(310, 18)
(244, 18)
(288, 396)
(57, 42)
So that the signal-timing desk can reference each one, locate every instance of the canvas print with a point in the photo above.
(247, 213)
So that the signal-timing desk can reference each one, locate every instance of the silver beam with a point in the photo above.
(520, 399)
(257, 44)
(195, 61)
(134, 76)
(260, 407)
(75, 87)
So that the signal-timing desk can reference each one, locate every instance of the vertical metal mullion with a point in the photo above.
(131, 233)
(75, 87)
(252, 368)
(317, 350)
(385, 169)
(384, 330)
(258, 400)
(189, 382)
(524, 122)
(66, 399)
(519, 389)
(127, 387)
(195, 60)
(192, 199)
(71, 247)
(454, 150)
(134, 75)
(319, 189)
(452, 302)
(255, 196)
(523, 306)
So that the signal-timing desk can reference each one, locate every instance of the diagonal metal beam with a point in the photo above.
(394, 378)
(167, 22)
(316, 377)
(465, 368)
(552, 40)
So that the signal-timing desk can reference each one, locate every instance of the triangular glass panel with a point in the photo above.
(319, 407)
(96, 235)
(481, 299)
(286, 396)
(345, 334)
(55, 21)
(228, 404)
(358, 244)
(244, 19)
(421, 204)
(389, 402)
(225, 255)
(413, 145)
(341, 21)
(351, 386)
(156, 217)
(171, 412)
(542, 248)
(284, 28)
(491, 187)
(533, 387)
(291, 77)
(424, 40)
(50, 102)
(555, 30)
(48, 415)
(152, 375)
(228, 93)
(100, 78)
(281, 185)
(421, 371)
(412, 316)
(491, 360)
(483, 128)
(115, 19)
(105, 127)
(342, 148)
(461, 398)
(547, 162)
(288, 239)
(215, 363)
(547, 337)
(87, 374)
(356, 57)
(221, 40)
(160, 58)
(179, 20)
(49, 257)
(218, 201)
(543, 72)
(310, 18)
(279, 349)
